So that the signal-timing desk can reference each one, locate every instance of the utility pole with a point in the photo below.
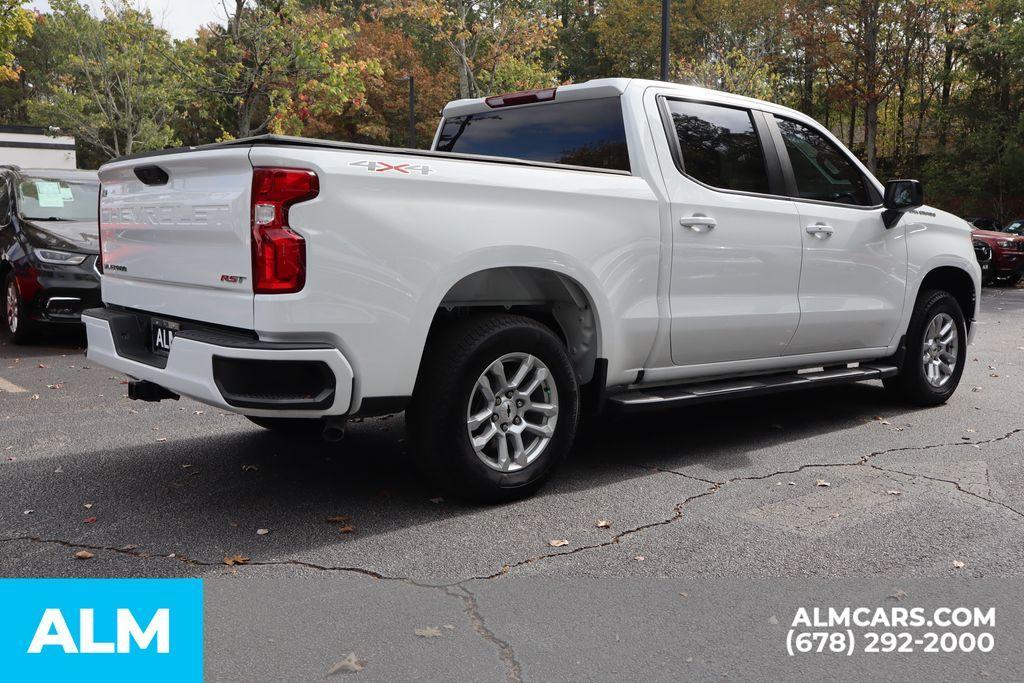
(664, 39)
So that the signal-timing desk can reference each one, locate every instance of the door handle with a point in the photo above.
(698, 223)
(820, 230)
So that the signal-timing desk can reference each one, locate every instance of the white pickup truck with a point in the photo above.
(618, 243)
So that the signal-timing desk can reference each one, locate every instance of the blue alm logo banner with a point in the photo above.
(101, 629)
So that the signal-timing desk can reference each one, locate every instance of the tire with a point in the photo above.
(292, 426)
(1009, 281)
(15, 315)
(912, 384)
(449, 395)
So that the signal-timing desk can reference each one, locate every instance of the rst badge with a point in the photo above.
(383, 167)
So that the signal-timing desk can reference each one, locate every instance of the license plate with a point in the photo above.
(162, 334)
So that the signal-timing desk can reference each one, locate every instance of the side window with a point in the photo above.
(823, 172)
(719, 146)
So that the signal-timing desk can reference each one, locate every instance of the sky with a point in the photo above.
(180, 18)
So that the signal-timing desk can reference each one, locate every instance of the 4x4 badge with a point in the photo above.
(383, 166)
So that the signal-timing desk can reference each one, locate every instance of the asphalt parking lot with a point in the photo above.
(837, 483)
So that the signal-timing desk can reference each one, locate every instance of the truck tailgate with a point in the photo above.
(181, 246)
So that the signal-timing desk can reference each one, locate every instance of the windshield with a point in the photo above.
(1016, 227)
(56, 199)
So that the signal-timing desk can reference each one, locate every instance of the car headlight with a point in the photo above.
(59, 258)
(1004, 244)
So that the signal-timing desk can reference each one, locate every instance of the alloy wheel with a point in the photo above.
(11, 306)
(512, 412)
(939, 353)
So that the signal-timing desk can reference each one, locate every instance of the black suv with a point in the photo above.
(49, 240)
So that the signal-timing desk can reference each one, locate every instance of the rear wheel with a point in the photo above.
(15, 314)
(495, 408)
(935, 353)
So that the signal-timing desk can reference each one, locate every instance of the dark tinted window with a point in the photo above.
(580, 132)
(719, 146)
(822, 170)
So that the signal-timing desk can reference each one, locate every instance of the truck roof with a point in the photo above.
(613, 87)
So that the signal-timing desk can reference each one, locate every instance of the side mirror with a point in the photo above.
(901, 196)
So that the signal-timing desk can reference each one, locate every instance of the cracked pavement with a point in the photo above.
(834, 483)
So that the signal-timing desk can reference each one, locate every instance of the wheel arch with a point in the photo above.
(553, 298)
(960, 285)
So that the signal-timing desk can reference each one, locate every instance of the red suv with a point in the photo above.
(1007, 261)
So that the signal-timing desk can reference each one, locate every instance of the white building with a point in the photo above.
(31, 147)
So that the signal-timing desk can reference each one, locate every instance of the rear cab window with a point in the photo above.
(587, 132)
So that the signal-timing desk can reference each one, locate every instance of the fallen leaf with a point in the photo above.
(792, 483)
(957, 564)
(186, 466)
(684, 594)
(347, 529)
(604, 524)
(894, 492)
(84, 555)
(558, 542)
(89, 520)
(28, 512)
(235, 559)
(55, 386)
(262, 532)
(898, 595)
(161, 440)
(198, 412)
(339, 519)
(429, 632)
(88, 506)
(639, 558)
(250, 468)
(773, 620)
(34, 397)
(350, 665)
(822, 482)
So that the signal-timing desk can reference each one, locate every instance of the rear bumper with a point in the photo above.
(233, 373)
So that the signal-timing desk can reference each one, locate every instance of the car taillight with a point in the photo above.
(278, 253)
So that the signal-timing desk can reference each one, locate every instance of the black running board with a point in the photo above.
(746, 386)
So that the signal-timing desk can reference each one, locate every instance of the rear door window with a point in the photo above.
(719, 146)
(578, 132)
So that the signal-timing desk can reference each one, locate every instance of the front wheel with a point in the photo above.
(495, 408)
(15, 313)
(936, 349)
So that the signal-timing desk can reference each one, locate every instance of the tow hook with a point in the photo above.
(334, 429)
(141, 390)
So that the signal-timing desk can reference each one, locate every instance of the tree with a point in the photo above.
(15, 23)
(500, 44)
(274, 65)
(109, 85)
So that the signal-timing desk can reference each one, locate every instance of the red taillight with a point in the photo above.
(522, 97)
(278, 253)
